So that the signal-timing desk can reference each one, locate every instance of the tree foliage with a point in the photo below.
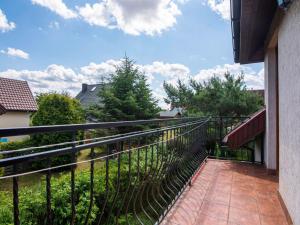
(127, 96)
(178, 96)
(228, 97)
(56, 109)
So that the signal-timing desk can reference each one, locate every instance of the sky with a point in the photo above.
(56, 45)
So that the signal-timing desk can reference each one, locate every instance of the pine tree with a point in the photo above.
(127, 96)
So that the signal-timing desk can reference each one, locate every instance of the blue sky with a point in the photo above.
(59, 44)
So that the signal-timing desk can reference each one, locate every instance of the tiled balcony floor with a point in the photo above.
(230, 193)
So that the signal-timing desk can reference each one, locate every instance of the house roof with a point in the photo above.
(171, 113)
(89, 95)
(251, 24)
(15, 95)
(260, 92)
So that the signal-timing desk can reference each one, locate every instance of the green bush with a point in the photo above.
(56, 109)
(32, 199)
(6, 208)
(14, 145)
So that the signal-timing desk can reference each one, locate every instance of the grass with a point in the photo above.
(34, 180)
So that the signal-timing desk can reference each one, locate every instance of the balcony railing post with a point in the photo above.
(221, 130)
(16, 197)
(48, 193)
(73, 167)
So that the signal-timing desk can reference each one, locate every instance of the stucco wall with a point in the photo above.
(289, 110)
(270, 101)
(257, 150)
(15, 119)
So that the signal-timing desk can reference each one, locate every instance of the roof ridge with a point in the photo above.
(13, 79)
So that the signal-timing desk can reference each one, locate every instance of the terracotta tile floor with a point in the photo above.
(229, 193)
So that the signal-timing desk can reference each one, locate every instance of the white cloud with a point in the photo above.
(252, 79)
(59, 78)
(221, 7)
(16, 53)
(96, 14)
(103, 69)
(182, 1)
(159, 94)
(170, 72)
(133, 17)
(5, 25)
(57, 6)
(53, 78)
(166, 70)
(54, 25)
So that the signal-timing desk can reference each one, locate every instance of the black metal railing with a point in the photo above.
(129, 172)
(218, 128)
(132, 177)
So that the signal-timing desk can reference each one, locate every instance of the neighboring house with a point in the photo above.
(258, 92)
(16, 104)
(174, 113)
(269, 31)
(89, 95)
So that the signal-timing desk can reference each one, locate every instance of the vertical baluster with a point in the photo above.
(221, 131)
(108, 152)
(73, 181)
(137, 183)
(16, 197)
(138, 161)
(120, 150)
(146, 157)
(216, 125)
(129, 160)
(92, 153)
(48, 192)
(129, 185)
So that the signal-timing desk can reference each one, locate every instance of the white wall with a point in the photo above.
(257, 149)
(15, 119)
(270, 101)
(289, 110)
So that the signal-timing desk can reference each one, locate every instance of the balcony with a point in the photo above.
(134, 172)
(226, 192)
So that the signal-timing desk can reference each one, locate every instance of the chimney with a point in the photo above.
(84, 88)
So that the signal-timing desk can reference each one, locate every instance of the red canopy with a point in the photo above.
(247, 130)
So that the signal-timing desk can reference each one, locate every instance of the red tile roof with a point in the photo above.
(15, 95)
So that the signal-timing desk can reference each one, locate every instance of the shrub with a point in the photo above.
(14, 145)
(32, 198)
(56, 109)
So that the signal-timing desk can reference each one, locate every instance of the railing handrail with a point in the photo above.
(19, 131)
(7, 152)
(84, 146)
(74, 149)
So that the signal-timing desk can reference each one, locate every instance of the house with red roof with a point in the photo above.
(16, 105)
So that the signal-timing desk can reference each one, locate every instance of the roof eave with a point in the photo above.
(250, 22)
